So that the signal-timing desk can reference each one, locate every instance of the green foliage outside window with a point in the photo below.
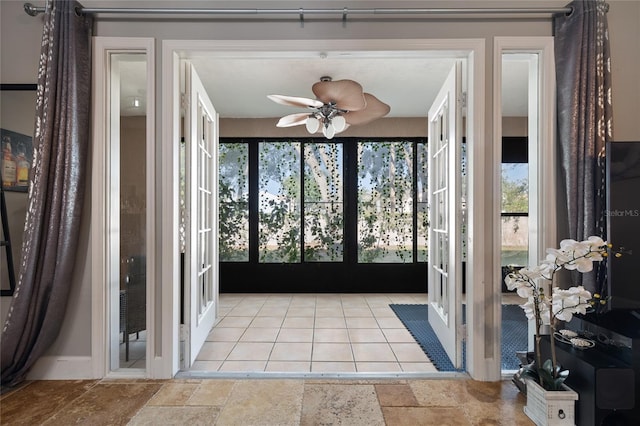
(233, 202)
(297, 180)
(385, 202)
(279, 228)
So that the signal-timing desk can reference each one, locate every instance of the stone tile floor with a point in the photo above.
(267, 402)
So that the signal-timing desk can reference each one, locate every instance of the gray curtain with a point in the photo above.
(56, 191)
(583, 73)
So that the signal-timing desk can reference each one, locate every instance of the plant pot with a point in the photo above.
(546, 407)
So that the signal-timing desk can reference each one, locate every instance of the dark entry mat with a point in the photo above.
(514, 335)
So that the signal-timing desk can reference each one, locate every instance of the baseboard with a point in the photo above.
(62, 368)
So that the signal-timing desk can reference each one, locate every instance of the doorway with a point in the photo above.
(195, 57)
(166, 327)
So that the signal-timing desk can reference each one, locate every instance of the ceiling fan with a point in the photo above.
(338, 105)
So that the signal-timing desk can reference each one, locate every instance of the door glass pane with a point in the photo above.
(234, 202)
(515, 207)
(385, 202)
(422, 196)
(323, 202)
(133, 194)
(279, 230)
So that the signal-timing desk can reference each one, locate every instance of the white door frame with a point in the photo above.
(471, 49)
(105, 273)
(483, 290)
(444, 274)
(542, 148)
(201, 276)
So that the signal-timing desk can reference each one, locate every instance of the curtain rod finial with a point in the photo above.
(31, 9)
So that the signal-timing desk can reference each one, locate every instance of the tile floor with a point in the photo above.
(287, 334)
(311, 333)
(305, 334)
(266, 402)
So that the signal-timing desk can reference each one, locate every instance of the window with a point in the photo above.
(234, 202)
(515, 202)
(304, 209)
(301, 215)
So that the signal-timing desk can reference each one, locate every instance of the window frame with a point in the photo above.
(345, 276)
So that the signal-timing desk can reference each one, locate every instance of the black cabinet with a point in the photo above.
(607, 376)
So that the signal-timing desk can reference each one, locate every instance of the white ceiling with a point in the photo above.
(238, 87)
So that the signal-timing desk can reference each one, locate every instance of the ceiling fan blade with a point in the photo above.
(293, 120)
(346, 94)
(374, 110)
(295, 101)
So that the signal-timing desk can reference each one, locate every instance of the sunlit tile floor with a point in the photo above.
(309, 333)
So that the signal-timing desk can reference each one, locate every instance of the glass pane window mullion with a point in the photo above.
(323, 202)
(279, 215)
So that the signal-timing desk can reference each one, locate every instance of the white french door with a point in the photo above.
(201, 254)
(445, 212)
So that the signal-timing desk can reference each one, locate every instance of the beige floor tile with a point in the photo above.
(278, 299)
(342, 320)
(331, 335)
(245, 311)
(259, 334)
(378, 301)
(338, 404)
(212, 351)
(366, 335)
(373, 352)
(251, 351)
(174, 393)
(442, 393)
(330, 322)
(408, 352)
(390, 322)
(206, 365)
(331, 352)
(298, 322)
(269, 402)
(377, 367)
(303, 301)
(235, 321)
(329, 312)
(333, 367)
(303, 311)
(357, 312)
(212, 393)
(225, 334)
(261, 402)
(291, 352)
(267, 321)
(418, 367)
(295, 335)
(273, 311)
(175, 416)
(398, 335)
(243, 366)
(425, 416)
(383, 311)
(395, 395)
(360, 322)
(328, 300)
(289, 366)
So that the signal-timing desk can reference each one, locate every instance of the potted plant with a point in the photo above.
(535, 284)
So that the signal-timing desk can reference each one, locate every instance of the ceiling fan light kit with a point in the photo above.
(338, 105)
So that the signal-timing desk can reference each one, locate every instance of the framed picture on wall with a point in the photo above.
(17, 110)
(17, 120)
(17, 158)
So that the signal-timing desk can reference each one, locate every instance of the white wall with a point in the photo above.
(20, 43)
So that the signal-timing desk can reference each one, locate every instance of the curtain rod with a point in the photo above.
(34, 11)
